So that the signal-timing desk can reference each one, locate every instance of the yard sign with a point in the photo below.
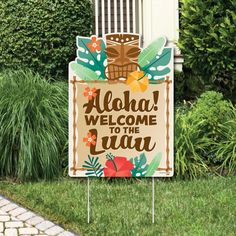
(121, 108)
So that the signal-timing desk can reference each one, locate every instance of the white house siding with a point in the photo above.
(150, 18)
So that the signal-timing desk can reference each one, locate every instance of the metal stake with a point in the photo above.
(153, 201)
(88, 203)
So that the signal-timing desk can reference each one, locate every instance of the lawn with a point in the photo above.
(123, 207)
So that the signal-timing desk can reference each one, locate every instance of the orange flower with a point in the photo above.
(90, 139)
(137, 81)
(90, 93)
(94, 45)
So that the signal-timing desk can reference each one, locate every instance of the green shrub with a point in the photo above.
(40, 34)
(189, 144)
(33, 126)
(225, 147)
(188, 85)
(207, 40)
(212, 108)
(205, 137)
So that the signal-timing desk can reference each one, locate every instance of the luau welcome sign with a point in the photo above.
(121, 108)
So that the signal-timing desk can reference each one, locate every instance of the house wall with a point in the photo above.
(161, 17)
(153, 18)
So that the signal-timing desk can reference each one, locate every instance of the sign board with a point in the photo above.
(121, 108)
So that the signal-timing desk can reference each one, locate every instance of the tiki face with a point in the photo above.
(122, 55)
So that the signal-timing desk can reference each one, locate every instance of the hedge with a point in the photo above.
(207, 40)
(40, 34)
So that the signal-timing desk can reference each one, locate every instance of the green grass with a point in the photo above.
(123, 207)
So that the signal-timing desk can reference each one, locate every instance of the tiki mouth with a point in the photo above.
(115, 72)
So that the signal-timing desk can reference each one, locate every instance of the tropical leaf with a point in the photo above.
(150, 52)
(140, 166)
(95, 60)
(83, 72)
(94, 168)
(159, 66)
(154, 165)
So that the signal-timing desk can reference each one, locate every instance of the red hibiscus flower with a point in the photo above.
(94, 45)
(90, 93)
(90, 139)
(118, 167)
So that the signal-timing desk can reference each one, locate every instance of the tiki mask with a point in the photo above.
(122, 55)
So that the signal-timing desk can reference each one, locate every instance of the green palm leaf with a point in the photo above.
(150, 52)
(154, 165)
(83, 72)
(94, 168)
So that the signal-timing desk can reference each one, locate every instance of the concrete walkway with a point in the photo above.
(16, 220)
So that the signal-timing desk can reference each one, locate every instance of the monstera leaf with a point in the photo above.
(140, 165)
(150, 52)
(159, 66)
(154, 165)
(84, 73)
(93, 59)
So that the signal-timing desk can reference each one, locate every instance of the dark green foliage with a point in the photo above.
(225, 146)
(205, 136)
(208, 40)
(41, 34)
(188, 85)
(93, 167)
(189, 145)
(211, 108)
(33, 126)
(140, 165)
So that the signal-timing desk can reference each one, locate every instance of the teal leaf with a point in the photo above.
(84, 73)
(160, 65)
(150, 52)
(154, 165)
(94, 168)
(94, 61)
(140, 165)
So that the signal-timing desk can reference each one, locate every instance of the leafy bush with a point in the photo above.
(189, 144)
(40, 35)
(205, 136)
(208, 40)
(225, 147)
(188, 85)
(33, 126)
(213, 109)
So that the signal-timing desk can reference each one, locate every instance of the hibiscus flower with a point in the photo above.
(90, 93)
(94, 45)
(118, 167)
(137, 81)
(90, 139)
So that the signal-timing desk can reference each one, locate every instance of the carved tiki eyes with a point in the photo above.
(131, 53)
(112, 52)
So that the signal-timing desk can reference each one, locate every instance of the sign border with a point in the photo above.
(168, 170)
